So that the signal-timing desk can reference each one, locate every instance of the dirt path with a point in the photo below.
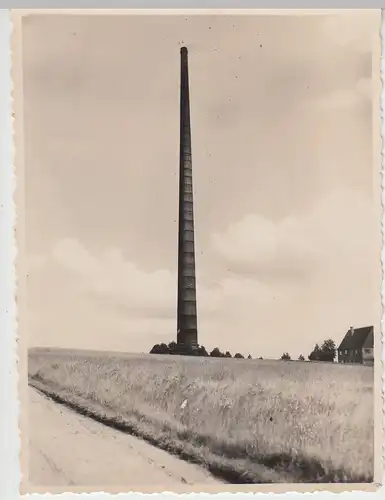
(69, 449)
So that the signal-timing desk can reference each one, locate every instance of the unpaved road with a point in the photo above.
(69, 449)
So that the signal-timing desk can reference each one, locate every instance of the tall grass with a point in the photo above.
(247, 420)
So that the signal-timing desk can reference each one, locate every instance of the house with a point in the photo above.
(357, 346)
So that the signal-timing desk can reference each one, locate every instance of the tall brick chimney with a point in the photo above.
(187, 334)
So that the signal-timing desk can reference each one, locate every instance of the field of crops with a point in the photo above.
(248, 421)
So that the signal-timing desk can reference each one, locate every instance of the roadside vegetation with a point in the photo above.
(247, 421)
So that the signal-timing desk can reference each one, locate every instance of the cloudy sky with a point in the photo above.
(286, 233)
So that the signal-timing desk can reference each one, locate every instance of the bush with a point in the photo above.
(286, 356)
(327, 352)
(174, 348)
(160, 349)
(216, 353)
(201, 351)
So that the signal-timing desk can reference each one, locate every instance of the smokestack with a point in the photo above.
(187, 334)
(351, 330)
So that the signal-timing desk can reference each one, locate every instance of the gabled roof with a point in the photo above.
(357, 338)
(369, 342)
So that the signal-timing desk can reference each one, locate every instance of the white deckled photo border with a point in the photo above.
(12, 365)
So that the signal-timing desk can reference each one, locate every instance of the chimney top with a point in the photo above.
(351, 329)
(183, 50)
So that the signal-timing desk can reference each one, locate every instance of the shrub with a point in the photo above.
(216, 353)
(174, 348)
(160, 349)
(201, 351)
(327, 352)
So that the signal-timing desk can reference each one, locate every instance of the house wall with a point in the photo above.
(350, 356)
(368, 355)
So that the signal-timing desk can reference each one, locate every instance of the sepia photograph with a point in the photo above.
(199, 249)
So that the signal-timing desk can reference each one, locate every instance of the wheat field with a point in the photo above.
(247, 421)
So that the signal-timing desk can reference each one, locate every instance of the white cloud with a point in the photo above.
(256, 244)
(109, 275)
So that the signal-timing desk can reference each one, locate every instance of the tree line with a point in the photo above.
(327, 352)
(173, 348)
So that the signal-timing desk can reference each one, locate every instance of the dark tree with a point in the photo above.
(216, 353)
(173, 347)
(286, 356)
(238, 355)
(315, 355)
(301, 358)
(160, 349)
(228, 354)
(249, 356)
(328, 350)
(182, 350)
(201, 351)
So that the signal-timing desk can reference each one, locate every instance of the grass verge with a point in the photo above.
(242, 420)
